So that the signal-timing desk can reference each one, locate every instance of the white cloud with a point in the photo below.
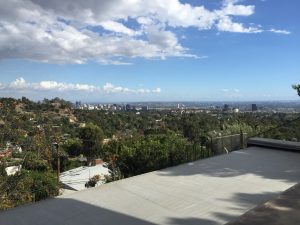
(226, 24)
(230, 90)
(280, 31)
(20, 84)
(110, 88)
(228, 2)
(145, 20)
(68, 31)
(117, 27)
(237, 10)
(157, 90)
(53, 85)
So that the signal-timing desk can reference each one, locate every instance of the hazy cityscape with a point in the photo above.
(230, 107)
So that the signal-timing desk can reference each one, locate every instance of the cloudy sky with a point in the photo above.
(158, 50)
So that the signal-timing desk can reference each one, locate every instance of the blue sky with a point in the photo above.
(171, 51)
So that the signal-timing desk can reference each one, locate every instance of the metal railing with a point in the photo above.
(281, 131)
(228, 143)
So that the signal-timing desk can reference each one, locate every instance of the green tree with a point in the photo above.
(44, 185)
(152, 153)
(15, 190)
(297, 88)
(92, 137)
(25, 187)
(73, 147)
(33, 162)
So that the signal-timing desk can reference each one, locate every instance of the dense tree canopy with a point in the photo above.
(91, 136)
(297, 88)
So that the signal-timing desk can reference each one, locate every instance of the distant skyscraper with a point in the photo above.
(145, 108)
(254, 107)
(226, 107)
(78, 104)
(128, 107)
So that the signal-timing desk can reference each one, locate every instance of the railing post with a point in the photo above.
(242, 140)
(222, 148)
(211, 145)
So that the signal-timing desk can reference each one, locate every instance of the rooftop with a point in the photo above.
(76, 179)
(206, 192)
(284, 209)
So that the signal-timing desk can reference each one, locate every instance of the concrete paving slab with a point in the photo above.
(283, 210)
(213, 191)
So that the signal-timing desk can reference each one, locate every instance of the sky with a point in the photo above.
(158, 50)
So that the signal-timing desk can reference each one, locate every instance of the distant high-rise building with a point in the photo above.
(128, 107)
(254, 107)
(145, 108)
(78, 104)
(226, 107)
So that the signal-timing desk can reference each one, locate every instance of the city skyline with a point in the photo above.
(124, 51)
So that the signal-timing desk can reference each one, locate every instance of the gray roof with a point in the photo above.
(77, 178)
(209, 192)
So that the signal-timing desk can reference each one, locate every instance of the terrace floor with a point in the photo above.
(282, 210)
(206, 192)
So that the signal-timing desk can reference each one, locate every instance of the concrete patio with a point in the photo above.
(213, 191)
(282, 210)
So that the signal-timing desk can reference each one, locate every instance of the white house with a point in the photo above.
(77, 178)
(12, 170)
